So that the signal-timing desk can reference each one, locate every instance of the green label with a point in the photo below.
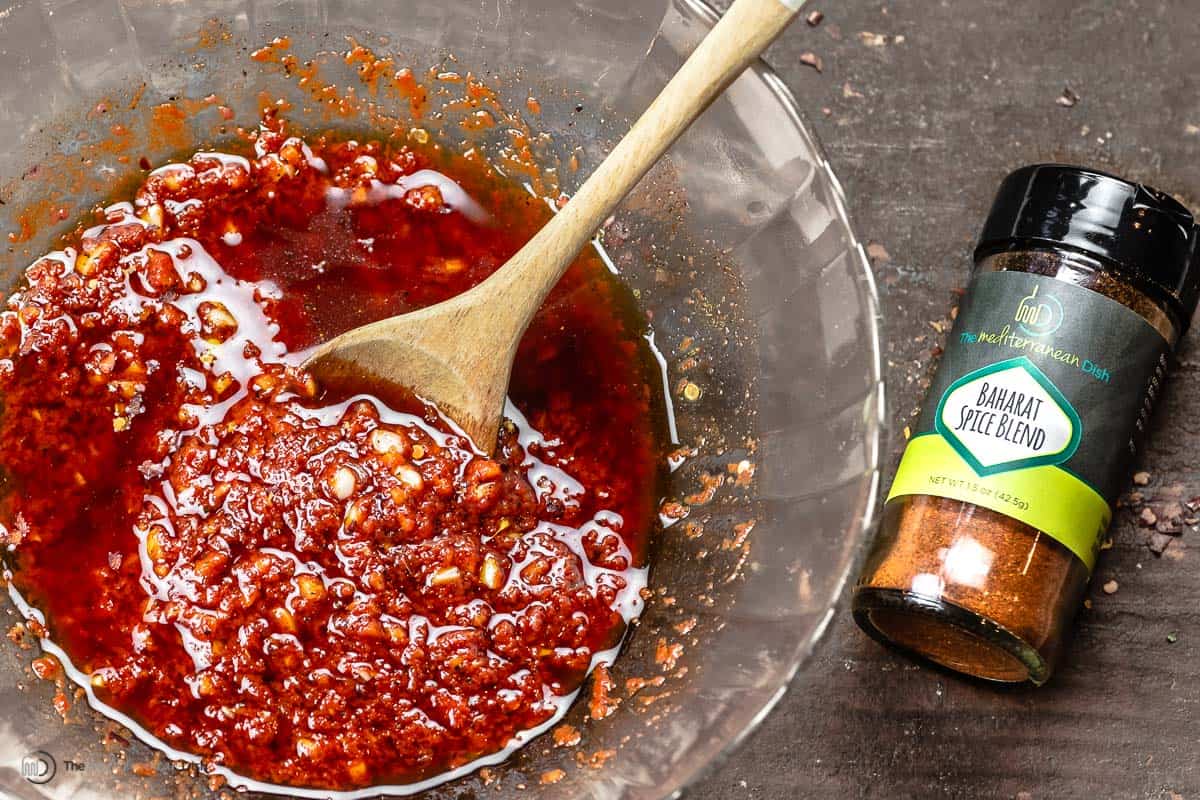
(1036, 406)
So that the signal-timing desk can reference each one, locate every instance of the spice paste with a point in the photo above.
(302, 586)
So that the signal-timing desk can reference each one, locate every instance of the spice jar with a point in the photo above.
(1083, 285)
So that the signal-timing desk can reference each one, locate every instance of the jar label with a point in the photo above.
(1035, 409)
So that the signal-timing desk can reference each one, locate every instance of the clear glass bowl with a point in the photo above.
(738, 247)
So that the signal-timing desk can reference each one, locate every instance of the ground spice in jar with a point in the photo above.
(1083, 285)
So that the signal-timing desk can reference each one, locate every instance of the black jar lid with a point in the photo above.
(1144, 234)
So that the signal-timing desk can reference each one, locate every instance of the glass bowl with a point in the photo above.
(737, 248)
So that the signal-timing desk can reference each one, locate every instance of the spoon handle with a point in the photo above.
(734, 43)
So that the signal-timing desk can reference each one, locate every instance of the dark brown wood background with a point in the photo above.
(921, 125)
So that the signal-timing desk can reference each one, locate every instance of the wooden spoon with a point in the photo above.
(458, 354)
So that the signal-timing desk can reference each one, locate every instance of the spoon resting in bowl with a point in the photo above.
(458, 354)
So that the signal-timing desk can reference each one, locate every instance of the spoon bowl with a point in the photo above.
(408, 354)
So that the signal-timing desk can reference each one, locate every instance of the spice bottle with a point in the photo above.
(1083, 285)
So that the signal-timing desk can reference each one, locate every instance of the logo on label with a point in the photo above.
(38, 767)
(1008, 416)
(1039, 316)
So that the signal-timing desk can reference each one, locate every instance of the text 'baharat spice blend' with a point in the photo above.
(1083, 285)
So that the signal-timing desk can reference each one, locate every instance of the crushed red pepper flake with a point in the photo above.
(667, 654)
(46, 668)
(674, 510)
(61, 703)
(743, 472)
(551, 776)
(602, 703)
(635, 685)
(19, 635)
(566, 736)
(710, 483)
(811, 59)
(599, 758)
(647, 700)
(741, 532)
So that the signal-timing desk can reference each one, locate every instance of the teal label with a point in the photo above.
(1008, 416)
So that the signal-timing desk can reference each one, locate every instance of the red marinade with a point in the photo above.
(318, 590)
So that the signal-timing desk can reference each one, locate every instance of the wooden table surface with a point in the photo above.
(923, 106)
